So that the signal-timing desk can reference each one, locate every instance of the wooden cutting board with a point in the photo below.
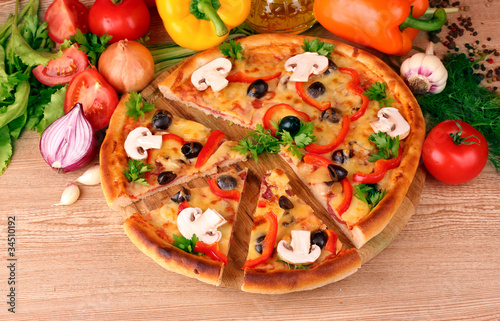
(233, 274)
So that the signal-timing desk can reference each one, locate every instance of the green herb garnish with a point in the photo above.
(303, 138)
(388, 146)
(369, 193)
(231, 49)
(377, 92)
(322, 48)
(295, 266)
(465, 99)
(136, 170)
(187, 245)
(91, 44)
(136, 106)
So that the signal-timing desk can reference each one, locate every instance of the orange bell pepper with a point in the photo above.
(388, 26)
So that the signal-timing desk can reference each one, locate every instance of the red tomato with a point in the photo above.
(453, 163)
(61, 70)
(64, 17)
(127, 20)
(150, 3)
(98, 98)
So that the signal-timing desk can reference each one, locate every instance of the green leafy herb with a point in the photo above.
(136, 170)
(387, 146)
(377, 92)
(295, 266)
(231, 49)
(187, 245)
(303, 138)
(91, 44)
(136, 106)
(465, 99)
(322, 48)
(369, 193)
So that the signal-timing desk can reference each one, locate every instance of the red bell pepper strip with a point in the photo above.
(261, 204)
(182, 206)
(299, 86)
(323, 149)
(212, 250)
(267, 243)
(316, 160)
(179, 139)
(242, 77)
(266, 120)
(214, 187)
(354, 87)
(331, 244)
(379, 170)
(346, 202)
(211, 145)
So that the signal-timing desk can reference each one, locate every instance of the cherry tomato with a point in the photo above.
(61, 70)
(64, 17)
(98, 98)
(450, 162)
(128, 19)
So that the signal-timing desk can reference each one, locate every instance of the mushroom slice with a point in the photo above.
(139, 140)
(191, 221)
(212, 74)
(299, 251)
(306, 64)
(391, 122)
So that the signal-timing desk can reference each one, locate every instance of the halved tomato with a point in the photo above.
(98, 98)
(64, 17)
(61, 70)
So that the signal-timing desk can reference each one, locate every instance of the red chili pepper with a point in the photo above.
(379, 170)
(331, 244)
(271, 111)
(354, 87)
(182, 206)
(214, 187)
(323, 149)
(211, 145)
(212, 250)
(346, 202)
(299, 86)
(316, 160)
(267, 243)
(242, 77)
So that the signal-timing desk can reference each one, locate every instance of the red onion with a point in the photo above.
(68, 143)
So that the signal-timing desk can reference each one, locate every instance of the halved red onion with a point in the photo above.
(68, 143)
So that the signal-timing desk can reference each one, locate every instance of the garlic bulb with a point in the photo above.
(424, 72)
(69, 195)
(92, 176)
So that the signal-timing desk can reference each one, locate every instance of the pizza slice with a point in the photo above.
(147, 149)
(290, 248)
(190, 234)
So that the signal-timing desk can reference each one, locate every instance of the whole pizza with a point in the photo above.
(342, 120)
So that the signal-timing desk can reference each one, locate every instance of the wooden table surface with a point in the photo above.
(76, 262)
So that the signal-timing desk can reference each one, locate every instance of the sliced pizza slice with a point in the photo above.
(148, 149)
(190, 234)
(290, 248)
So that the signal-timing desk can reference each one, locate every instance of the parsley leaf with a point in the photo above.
(231, 49)
(187, 245)
(377, 92)
(91, 44)
(135, 171)
(322, 48)
(303, 138)
(388, 146)
(369, 193)
(136, 106)
(295, 266)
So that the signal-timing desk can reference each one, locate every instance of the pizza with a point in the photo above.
(290, 248)
(191, 232)
(146, 154)
(368, 127)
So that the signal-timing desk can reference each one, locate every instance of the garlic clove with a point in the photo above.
(69, 195)
(92, 176)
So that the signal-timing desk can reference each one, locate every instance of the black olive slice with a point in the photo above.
(227, 182)
(162, 120)
(319, 238)
(337, 173)
(258, 246)
(183, 195)
(341, 156)
(285, 203)
(291, 124)
(331, 67)
(166, 177)
(332, 115)
(316, 89)
(257, 89)
(191, 149)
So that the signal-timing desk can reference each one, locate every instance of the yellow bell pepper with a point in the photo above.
(201, 24)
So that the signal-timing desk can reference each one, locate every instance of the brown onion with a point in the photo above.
(127, 66)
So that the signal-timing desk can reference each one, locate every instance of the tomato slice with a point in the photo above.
(98, 98)
(61, 70)
(64, 17)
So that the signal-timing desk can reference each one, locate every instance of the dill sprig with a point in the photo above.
(465, 99)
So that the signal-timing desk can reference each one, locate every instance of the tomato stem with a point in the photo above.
(457, 137)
